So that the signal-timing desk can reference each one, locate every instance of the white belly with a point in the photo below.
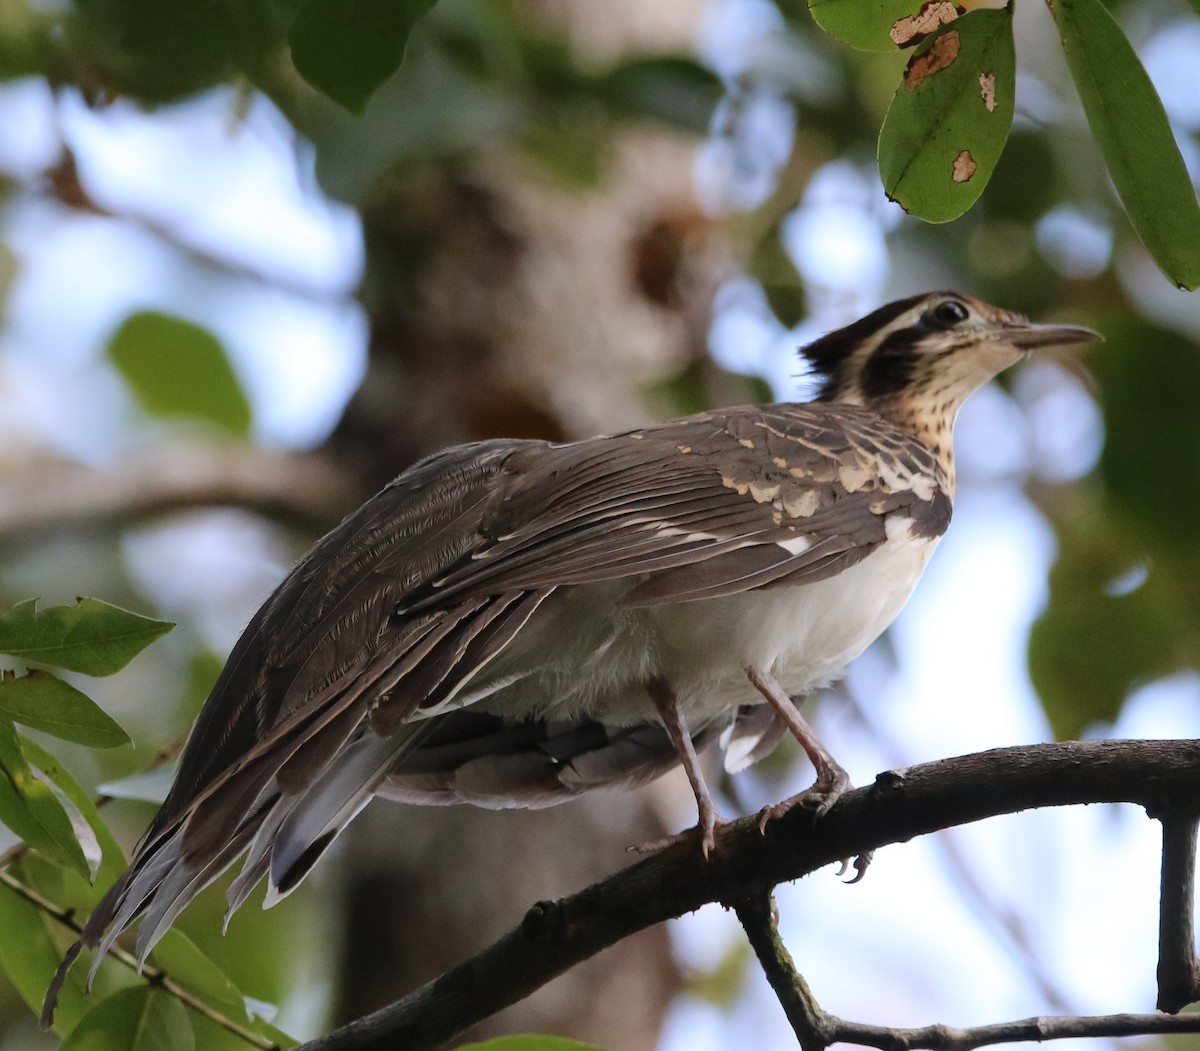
(582, 654)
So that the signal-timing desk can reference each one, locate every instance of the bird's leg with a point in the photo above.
(668, 711)
(831, 780)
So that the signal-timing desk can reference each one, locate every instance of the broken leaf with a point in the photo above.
(882, 25)
(950, 117)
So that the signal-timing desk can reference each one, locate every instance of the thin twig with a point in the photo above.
(154, 975)
(816, 1029)
(1178, 972)
(62, 183)
(1048, 1027)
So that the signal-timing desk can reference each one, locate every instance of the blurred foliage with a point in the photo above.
(347, 48)
(175, 368)
(1125, 592)
(139, 1019)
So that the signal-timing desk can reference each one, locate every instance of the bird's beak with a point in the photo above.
(1032, 337)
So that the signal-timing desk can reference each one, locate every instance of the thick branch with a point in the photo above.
(555, 936)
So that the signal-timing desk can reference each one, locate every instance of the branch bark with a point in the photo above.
(1178, 971)
(306, 488)
(816, 1029)
(555, 936)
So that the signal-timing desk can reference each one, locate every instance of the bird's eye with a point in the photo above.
(949, 312)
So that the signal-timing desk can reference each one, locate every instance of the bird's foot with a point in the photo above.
(831, 784)
(705, 829)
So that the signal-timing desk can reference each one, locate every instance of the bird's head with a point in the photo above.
(921, 357)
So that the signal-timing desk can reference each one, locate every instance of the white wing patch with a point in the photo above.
(797, 545)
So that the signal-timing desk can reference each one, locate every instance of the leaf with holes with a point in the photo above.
(950, 117)
(882, 25)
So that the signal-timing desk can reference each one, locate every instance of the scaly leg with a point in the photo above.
(831, 780)
(668, 711)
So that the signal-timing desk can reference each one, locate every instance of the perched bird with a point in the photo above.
(512, 623)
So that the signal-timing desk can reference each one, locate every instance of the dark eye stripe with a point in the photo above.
(890, 367)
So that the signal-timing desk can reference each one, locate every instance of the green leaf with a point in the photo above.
(92, 636)
(138, 1019)
(175, 368)
(573, 155)
(112, 862)
(180, 957)
(668, 88)
(781, 282)
(1131, 128)
(1098, 639)
(44, 702)
(31, 810)
(950, 117)
(348, 48)
(1143, 366)
(881, 25)
(30, 957)
(530, 1042)
(682, 393)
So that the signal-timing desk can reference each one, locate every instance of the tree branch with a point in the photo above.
(816, 1029)
(307, 488)
(1178, 972)
(554, 936)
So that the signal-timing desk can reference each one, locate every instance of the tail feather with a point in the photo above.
(327, 805)
(178, 890)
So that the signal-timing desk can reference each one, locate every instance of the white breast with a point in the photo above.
(584, 654)
(804, 635)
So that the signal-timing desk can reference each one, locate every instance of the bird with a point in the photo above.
(511, 623)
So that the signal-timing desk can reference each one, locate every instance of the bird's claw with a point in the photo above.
(860, 866)
(830, 786)
(705, 829)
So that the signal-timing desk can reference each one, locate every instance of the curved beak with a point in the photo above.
(1031, 337)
